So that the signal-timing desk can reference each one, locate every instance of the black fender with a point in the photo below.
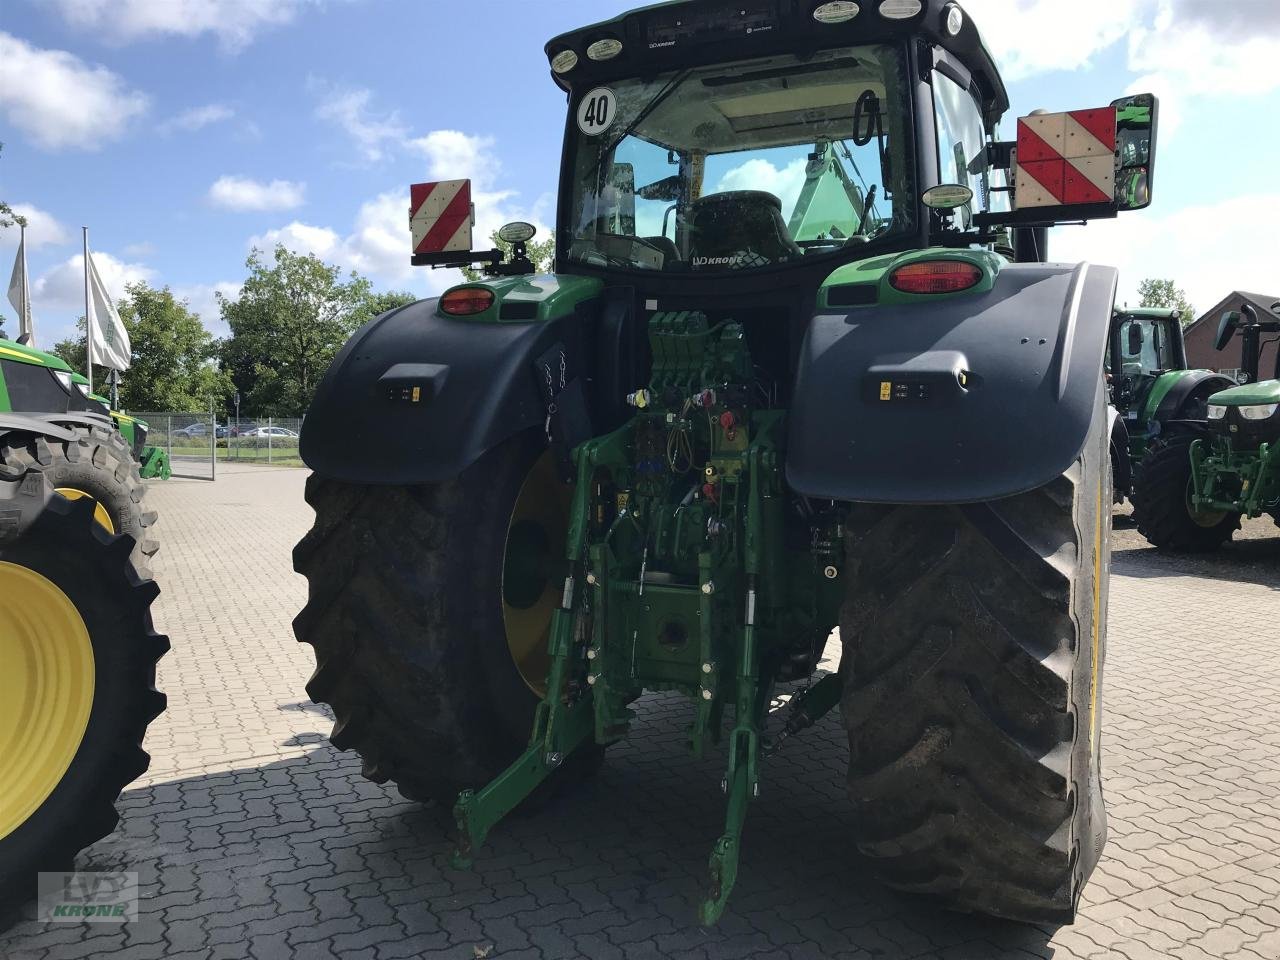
(475, 386)
(30, 423)
(989, 395)
(1121, 462)
(1187, 394)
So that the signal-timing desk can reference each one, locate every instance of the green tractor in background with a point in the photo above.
(1151, 387)
(744, 410)
(153, 462)
(1196, 483)
(77, 688)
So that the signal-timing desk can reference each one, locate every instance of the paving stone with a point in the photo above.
(256, 839)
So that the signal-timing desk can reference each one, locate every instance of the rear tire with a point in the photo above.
(99, 464)
(1161, 507)
(60, 540)
(405, 612)
(974, 638)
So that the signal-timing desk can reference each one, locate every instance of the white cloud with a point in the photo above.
(143, 248)
(234, 22)
(759, 174)
(453, 155)
(1028, 37)
(60, 101)
(299, 238)
(43, 229)
(202, 300)
(378, 244)
(241, 193)
(62, 287)
(349, 109)
(197, 118)
(1207, 250)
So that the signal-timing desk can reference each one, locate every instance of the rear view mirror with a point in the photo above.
(1135, 339)
(1137, 120)
(1226, 329)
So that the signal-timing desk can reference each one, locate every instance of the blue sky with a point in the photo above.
(183, 131)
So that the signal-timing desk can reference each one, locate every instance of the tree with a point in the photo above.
(173, 355)
(1165, 293)
(377, 304)
(541, 252)
(291, 318)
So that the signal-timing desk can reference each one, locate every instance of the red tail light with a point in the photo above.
(466, 301)
(936, 276)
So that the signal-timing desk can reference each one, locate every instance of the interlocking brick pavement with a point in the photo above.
(255, 839)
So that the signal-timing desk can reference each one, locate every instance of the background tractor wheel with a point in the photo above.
(974, 639)
(98, 466)
(429, 609)
(1162, 506)
(77, 688)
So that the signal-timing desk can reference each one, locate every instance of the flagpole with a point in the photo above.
(24, 321)
(88, 314)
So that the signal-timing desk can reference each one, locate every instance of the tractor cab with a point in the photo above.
(1146, 343)
(716, 148)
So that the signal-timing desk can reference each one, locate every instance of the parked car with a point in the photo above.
(200, 429)
(276, 433)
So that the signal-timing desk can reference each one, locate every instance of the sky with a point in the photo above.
(185, 132)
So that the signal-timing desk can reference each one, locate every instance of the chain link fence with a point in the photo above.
(197, 443)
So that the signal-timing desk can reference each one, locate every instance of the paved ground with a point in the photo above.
(254, 838)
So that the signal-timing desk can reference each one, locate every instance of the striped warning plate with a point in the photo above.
(1066, 159)
(440, 216)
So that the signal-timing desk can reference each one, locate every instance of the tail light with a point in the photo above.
(466, 301)
(936, 276)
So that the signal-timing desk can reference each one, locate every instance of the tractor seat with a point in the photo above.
(741, 228)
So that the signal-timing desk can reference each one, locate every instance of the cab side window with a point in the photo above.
(962, 143)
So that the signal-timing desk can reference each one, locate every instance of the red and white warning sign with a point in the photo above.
(441, 216)
(1066, 159)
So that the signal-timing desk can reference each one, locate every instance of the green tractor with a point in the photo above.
(153, 462)
(1198, 482)
(77, 690)
(1151, 387)
(780, 381)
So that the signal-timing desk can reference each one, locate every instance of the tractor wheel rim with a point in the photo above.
(100, 513)
(46, 691)
(533, 569)
(1202, 518)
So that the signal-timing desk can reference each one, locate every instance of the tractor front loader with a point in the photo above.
(746, 409)
(77, 687)
(1194, 487)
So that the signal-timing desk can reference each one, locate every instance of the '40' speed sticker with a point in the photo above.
(596, 111)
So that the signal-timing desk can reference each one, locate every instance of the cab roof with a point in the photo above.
(683, 33)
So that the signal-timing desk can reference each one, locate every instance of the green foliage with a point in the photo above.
(173, 355)
(1165, 293)
(7, 217)
(541, 252)
(293, 315)
(377, 304)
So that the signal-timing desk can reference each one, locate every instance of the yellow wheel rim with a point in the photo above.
(534, 568)
(1202, 518)
(99, 511)
(46, 691)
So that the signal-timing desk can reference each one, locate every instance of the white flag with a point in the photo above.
(20, 294)
(109, 344)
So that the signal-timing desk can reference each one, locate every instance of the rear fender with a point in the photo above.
(954, 400)
(475, 387)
